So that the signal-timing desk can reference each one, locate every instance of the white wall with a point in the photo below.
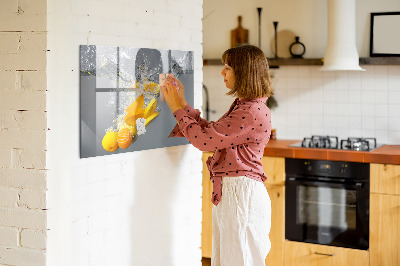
(23, 133)
(343, 104)
(311, 102)
(139, 208)
(306, 19)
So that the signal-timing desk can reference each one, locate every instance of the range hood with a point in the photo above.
(341, 51)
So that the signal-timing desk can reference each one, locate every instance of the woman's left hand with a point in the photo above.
(170, 90)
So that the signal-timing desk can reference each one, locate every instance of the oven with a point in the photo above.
(327, 202)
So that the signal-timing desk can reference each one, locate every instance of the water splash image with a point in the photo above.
(126, 85)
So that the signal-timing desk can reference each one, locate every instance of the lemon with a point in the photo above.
(138, 103)
(110, 141)
(132, 116)
(150, 118)
(152, 87)
(151, 107)
(124, 138)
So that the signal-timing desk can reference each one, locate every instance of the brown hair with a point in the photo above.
(250, 66)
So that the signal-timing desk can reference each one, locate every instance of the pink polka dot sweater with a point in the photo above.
(238, 139)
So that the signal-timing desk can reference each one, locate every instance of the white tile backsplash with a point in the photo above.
(394, 110)
(343, 103)
(381, 97)
(394, 97)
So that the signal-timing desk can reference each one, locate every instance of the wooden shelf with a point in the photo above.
(274, 63)
(380, 61)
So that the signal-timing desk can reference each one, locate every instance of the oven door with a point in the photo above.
(327, 213)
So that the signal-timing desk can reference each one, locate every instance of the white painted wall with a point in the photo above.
(311, 102)
(306, 19)
(140, 208)
(23, 133)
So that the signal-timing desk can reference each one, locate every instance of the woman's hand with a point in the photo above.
(181, 89)
(174, 93)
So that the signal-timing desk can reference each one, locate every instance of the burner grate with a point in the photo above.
(332, 142)
(358, 144)
(327, 142)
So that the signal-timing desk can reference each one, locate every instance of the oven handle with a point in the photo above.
(357, 185)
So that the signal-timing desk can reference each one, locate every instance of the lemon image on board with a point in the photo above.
(152, 87)
(138, 103)
(150, 118)
(124, 138)
(110, 141)
(132, 116)
(133, 130)
(151, 107)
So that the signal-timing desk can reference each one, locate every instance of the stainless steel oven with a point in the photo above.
(327, 202)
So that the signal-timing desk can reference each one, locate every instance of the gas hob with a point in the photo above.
(332, 142)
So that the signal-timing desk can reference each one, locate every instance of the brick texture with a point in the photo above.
(23, 218)
(33, 199)
(33, 239)
(8, 197)
(23, 178)
(9, 237)
(17, 256)
(23, 126)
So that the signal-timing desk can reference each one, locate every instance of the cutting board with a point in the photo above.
(239, 35)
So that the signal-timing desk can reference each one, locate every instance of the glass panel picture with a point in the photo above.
(121, 107)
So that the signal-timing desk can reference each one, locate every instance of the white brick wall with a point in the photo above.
(140, 208)
(23, 132)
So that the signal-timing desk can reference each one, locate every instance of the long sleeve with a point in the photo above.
(193, 113)
(231, 130)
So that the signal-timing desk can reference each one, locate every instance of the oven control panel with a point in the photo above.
(338, 169)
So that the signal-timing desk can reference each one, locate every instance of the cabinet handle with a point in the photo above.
(324, 254)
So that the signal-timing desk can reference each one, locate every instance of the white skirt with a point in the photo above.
(241, 223)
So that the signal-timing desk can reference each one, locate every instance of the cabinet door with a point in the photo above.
(304, 254)
(384, 230)
(277, 233)
(274, 168)
(385, 178)
(206, 226)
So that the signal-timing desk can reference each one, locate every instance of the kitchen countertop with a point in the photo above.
(389, 154)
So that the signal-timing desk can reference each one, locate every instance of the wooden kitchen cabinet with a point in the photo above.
(385, 178)
(274, 168)
(277, 233)
(385, 215)
(305, 254)
(384, 236)
(206, 225)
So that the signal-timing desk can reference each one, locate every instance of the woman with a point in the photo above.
(242, 208)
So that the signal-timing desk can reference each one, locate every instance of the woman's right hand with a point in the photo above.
(180, 89)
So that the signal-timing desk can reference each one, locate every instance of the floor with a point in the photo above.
(206, 261)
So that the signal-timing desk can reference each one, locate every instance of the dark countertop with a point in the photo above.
(389, 154)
